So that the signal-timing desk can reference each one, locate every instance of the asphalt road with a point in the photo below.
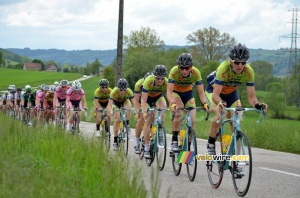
(274, 174)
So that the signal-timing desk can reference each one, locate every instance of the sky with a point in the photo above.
(93, 24)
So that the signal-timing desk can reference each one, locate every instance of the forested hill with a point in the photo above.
(279, 58)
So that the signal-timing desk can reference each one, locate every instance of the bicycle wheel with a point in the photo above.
(215, 169)
(106, 135)
(176, 166)
(142, 143)
(191, 166)
(125, 139)
(242, 167)
(161, 148)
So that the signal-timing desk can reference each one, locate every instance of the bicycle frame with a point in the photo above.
(123, 136)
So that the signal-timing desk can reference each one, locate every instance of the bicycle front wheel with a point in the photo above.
(125, 139)
(215, 169)
(191, 165)
(106, 135)
(161, 148)
(241, 168)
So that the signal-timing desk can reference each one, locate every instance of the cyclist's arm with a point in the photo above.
(143, 102)
(201, 93)
(170, 88)
(216, 93)
(68, 102)
(45, 103)
(96, 104)
(137, 97)
(109, 106)
(84, 101)
(54, 99)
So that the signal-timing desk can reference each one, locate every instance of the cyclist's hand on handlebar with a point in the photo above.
(173, 107)
(222, 104)
(205, 106)
(261, 106)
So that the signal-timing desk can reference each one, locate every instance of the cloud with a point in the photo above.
(92, 24)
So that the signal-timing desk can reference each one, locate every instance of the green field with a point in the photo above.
(20, 78)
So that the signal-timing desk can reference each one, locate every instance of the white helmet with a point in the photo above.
(51, 89)
(56, 83)
(27, 86)
(76, 85)
(64, 82)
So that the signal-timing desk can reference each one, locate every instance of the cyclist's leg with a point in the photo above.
(161, 103)
(176, 122)
(146, 132)
(127, 105)
(116, 125)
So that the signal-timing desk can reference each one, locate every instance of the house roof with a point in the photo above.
(33, 65)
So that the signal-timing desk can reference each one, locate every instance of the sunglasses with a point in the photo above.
(64, 86)
(158, 78)
(237, 63)
(184, 68)
(104, 87)
(122, 89)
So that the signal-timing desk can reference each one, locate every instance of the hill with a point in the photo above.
(279, 58)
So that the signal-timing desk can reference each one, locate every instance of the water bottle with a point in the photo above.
(182, 136)
(225, 142)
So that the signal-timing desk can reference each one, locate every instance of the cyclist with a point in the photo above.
(25, 102)
(48, 102)
(221, 89)
(18, 97)
(140, 120)
(39, 100)
(59, 99)
(152, 96)
(4, 100)
(180, 92)
(120, 96)
(56, 84)
(32, 99)
(75, 95)
(101, 97)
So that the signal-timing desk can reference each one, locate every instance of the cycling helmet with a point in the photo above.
(185, 60)
(52, 89)
(46, 88)
(19, 89)
(42, 86)
(64, 83)
(34, 91)
(27, 86)
(56, 83)
(160, 70)
(148, 74)
(239, 52)
(122, 84)
(76, 85)
(28, 90)
(103, 82)
(13, 91)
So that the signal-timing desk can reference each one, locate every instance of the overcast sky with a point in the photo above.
(92, 24)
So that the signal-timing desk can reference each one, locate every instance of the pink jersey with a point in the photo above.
(40, 94)
(75, 95)
(60, 92)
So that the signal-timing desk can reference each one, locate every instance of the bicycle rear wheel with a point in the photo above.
(161, 148)
(215, 169)
(191, 166)
(106, 135)
(242, 168)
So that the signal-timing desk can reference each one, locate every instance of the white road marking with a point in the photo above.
(279, 171)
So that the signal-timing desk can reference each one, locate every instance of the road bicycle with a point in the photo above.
(104, 127)
(75, 128)
(234, 155)
(158, 141)
(60, 120)
(187, 144)
(123, 140)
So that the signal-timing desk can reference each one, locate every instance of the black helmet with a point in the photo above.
(185, 60)
(239, 52)
(148, 74)
(19, 89)
(103, 82)
(122, 84)
(160, 70)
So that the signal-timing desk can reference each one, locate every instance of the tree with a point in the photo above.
(108, 73)
(39, 61)
(1, 59)
(145, 38)
(261, 67)
(210, 44)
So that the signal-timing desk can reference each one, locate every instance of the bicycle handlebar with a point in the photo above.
(192, 108)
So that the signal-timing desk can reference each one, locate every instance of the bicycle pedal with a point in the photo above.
(172, 154)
